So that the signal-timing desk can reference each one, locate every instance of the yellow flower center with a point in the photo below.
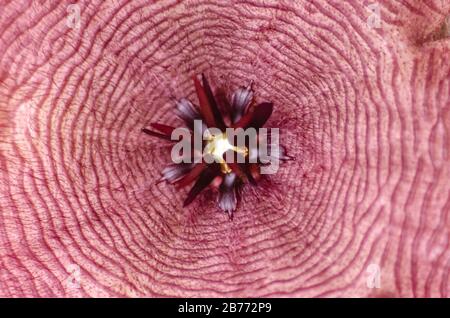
(218, 145)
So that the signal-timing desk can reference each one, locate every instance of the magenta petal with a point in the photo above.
(174, 172)
(228, 181)
(228, 202)
(155, 134)
(208, 106)
(212, 102)
(227, 194)
(257, 118)
(165, 129)
(223, 102)
(261, 115)
(187, 111)
(205, 178)
(240, 101)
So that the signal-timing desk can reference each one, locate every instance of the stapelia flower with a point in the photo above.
(226, 177)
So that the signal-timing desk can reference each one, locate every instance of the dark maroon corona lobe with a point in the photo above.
(239, 112)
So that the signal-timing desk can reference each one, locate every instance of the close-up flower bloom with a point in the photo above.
(239, 112)
(226, 149)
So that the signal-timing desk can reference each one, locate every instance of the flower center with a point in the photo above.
(218, 145)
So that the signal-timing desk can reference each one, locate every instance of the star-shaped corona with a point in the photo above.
(230, 166)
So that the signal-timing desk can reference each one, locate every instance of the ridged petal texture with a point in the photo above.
(362, 104)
